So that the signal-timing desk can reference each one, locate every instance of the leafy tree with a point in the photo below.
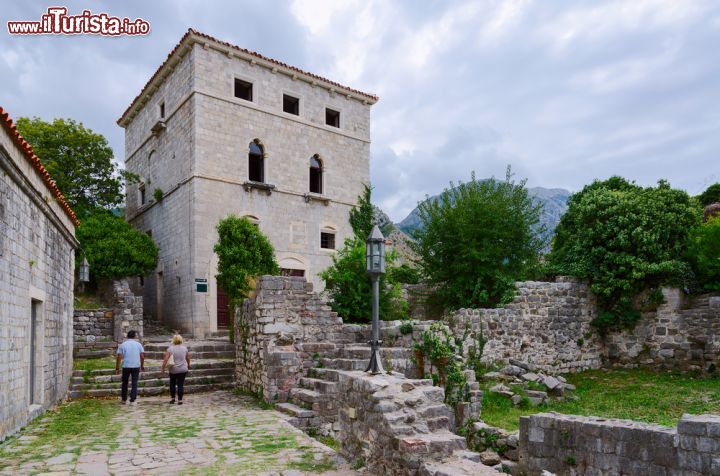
(347, 284)
(624, 239)
(244, 252)
(477, 239)
(113, 248)
(704, 254)
(80, 162)
(710, 195)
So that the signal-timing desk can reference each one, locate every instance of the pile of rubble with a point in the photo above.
(522, 382)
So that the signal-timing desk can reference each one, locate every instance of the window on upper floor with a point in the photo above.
(243, 90)
(316, 170)
(327, 239)
(291, 105)
(162, 110)
(142, 193)
(332, 117)
(256, 162)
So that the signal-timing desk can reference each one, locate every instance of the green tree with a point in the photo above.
(113, 248)
(624, 239)
(244, 252)
(80, 162)
(347, 284)
(710, 195)
(704, 254)
(477, 239)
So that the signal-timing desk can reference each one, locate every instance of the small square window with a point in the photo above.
(243, 90)
(291, 105)
(162, 110)
(332, 118)
(327, 240)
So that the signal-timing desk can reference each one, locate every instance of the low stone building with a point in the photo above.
(37, 261)
(218, 130)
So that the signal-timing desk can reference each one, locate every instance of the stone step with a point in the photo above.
(151, 390)
(443, 442)
(157, 378)
(219, 333)
(227, 354)
(358, 351)
(294, 410)
(305, 396)
(204, 346)
(92, 353)
(98, 344)
(345, 364)
(321, 386)
(151, 367)
(330, 375)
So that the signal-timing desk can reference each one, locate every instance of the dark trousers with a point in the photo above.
(126, 373)
(179, 381)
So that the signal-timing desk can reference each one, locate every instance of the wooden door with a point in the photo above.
(223, 318)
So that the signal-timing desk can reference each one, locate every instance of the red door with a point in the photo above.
(222, 309)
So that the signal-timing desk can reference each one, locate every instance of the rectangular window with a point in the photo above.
(142, 195)
(332, 118)
(162, 110)
(327, 240)
(291, 105)
(243, 90)
(292, 272)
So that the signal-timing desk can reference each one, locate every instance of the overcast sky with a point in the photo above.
(564, 92)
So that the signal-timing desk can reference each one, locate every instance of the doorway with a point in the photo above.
(223, 318)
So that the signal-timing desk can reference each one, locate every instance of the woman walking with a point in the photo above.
(179, 363)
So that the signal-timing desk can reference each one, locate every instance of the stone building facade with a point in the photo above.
(37, 253)
(220, 130)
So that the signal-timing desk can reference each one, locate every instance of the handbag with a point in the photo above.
(171, 361)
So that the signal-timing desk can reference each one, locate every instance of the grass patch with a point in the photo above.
(75, 424)
(329, 441)
(88, 301)
(635, 394)
(90, 365)
(257, 399)
(308, 463)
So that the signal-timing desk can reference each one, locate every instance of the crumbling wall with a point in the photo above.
(575, 445)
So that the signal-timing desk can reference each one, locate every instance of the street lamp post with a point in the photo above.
(375, 266)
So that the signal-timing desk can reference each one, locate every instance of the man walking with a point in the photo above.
(132, 356)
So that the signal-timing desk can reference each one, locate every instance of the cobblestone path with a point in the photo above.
(212, 433)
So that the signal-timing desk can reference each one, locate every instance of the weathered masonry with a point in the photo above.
(219, 130)
(37, 253)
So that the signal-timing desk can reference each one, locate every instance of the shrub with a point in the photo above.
(477, 239)
(710, 195)
(158, 194)
(406, 274)
(624, 239)
(113, 248)
(704, 254)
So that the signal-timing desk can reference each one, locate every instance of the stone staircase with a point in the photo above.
(212, 367)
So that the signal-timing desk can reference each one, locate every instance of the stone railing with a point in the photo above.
(574, 445)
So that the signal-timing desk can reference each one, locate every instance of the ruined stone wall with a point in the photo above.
(278, 332)
(547, 324)
(574, 445)
(673, 337)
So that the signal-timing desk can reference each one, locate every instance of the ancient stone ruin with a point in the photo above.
(295, 352)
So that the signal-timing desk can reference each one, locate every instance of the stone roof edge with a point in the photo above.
(194, 36)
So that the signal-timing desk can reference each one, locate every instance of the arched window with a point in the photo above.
(315, 174)
(256, 165)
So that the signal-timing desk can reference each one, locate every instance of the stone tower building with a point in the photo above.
(219, 129)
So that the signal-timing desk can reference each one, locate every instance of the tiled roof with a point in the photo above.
(196, 33)
(35, 161)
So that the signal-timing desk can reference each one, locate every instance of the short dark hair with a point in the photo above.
(132, 334)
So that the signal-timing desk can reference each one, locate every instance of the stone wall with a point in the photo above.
(37, 246)
(278, 332)
(681, 334)
(95, 329)
(547, 324)
(574, 445)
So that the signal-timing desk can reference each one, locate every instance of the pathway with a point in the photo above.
(212, 433)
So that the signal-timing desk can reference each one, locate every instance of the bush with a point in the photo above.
(704, 254)
(406, 274)
(113, 248)
(348, 285)
(710, 195)
(625, 239)
(477, 239)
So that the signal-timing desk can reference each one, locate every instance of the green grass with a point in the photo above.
(309, 464)
(641, 395)
(88, 301)
(71, 424)
(90, 365)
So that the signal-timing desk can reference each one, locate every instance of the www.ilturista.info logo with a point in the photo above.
(57, 22)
